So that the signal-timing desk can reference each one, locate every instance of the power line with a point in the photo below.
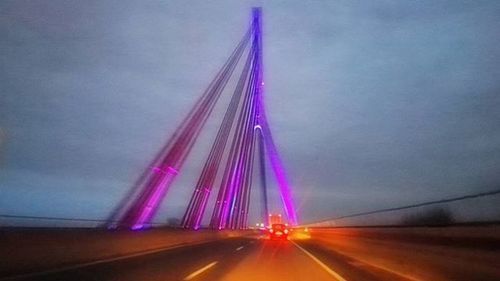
(447, 200)
(64, 219)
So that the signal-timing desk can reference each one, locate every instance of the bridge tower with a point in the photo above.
(244, 129)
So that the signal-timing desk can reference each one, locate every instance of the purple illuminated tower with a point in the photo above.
(243, 130)
(263, 125)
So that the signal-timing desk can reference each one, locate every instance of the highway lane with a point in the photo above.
(318, 254)
(174, 264)
(230, 259)
(302, 260)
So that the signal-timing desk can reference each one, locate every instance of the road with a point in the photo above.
(229, 259)
(258, 258)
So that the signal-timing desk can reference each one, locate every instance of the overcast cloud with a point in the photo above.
(372, 103)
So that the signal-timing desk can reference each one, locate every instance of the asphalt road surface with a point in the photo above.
(230, 259)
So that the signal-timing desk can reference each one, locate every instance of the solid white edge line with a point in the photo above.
(239, 248)
(324, 266)
(201, 270)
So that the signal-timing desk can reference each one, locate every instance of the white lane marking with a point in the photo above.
(324, 266)
(199, 271)
(239, 248)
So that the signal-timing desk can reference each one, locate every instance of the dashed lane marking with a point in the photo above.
(200, 271)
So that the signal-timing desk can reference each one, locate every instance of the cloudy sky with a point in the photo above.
(373, 104)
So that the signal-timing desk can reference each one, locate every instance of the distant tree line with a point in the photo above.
(437, 216)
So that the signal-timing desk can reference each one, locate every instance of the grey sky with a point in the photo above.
(372, 103)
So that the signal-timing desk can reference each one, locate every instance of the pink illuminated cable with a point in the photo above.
(143, 209)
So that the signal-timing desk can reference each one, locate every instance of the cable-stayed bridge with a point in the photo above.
(359, 246)
(243, 135)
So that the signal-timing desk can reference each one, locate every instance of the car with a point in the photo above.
(278, 231)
